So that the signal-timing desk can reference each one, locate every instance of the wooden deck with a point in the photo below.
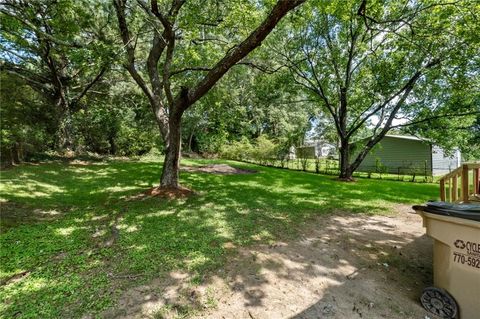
(461, 185)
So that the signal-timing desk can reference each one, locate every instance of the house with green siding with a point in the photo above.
(401, 154)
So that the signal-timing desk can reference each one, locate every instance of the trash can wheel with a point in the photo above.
(439, 302)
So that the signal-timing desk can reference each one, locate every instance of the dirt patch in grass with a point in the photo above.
(343, 266)
(221, 169)
(169, 192)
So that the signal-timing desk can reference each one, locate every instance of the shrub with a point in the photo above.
(264, 151)
(239, 150)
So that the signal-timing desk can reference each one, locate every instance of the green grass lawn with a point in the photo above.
(57, 219)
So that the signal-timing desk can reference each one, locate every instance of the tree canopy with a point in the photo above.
(59, 49)
(122, 77)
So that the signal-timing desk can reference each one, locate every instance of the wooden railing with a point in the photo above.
(467, 176)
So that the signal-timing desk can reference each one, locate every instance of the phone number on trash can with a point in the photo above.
(462, 259)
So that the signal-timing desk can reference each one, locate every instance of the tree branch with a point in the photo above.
(154, 99)
(239, 52)
(36, 82)
(261, 68)
(88, 86)
(407, 86)
(158, 46)
(129, 47)
(432, 118)
(199, 69)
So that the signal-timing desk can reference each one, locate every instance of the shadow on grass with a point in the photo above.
(70, 269)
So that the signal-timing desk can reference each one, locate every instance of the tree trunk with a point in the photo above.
(344, 161)
(65, 130)
(21, 153)
(6, 157)
(113, 145)
(190, 138)
(171, 163)
(14, 153)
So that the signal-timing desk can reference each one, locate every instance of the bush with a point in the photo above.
(210, 143)
(131, 141)
(239, 150)
(264, 151)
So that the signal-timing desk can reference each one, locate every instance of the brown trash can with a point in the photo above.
(456, 263)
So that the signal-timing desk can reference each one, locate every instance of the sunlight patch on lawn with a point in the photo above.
(29, 285)
(30, 190)
(99, 233)
(99, 217)
(138, 247)
(128, 228)
(67, 231)
(115, 189)
(50, 212)
(196, 259)
(262, 235)
(221, 225)
(155, 214)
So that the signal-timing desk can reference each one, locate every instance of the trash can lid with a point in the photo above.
(466, 211)
(463, 207)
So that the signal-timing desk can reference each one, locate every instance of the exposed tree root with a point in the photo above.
(14, 278)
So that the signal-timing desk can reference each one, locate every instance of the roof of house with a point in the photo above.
(403, 137)
(406, 137)
(313, 142)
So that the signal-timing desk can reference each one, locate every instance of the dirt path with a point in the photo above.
(343, 267)
(221, 169)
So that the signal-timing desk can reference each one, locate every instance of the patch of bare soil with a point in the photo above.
(344, 266)
(222, 169)
(169, 192)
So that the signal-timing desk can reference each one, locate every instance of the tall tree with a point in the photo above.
(59, 48)
(379, 65)
(195, 38)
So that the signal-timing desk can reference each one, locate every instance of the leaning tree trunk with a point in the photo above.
(171, 163)
(190, 139)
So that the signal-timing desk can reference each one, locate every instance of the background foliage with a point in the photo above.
(259, 100)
